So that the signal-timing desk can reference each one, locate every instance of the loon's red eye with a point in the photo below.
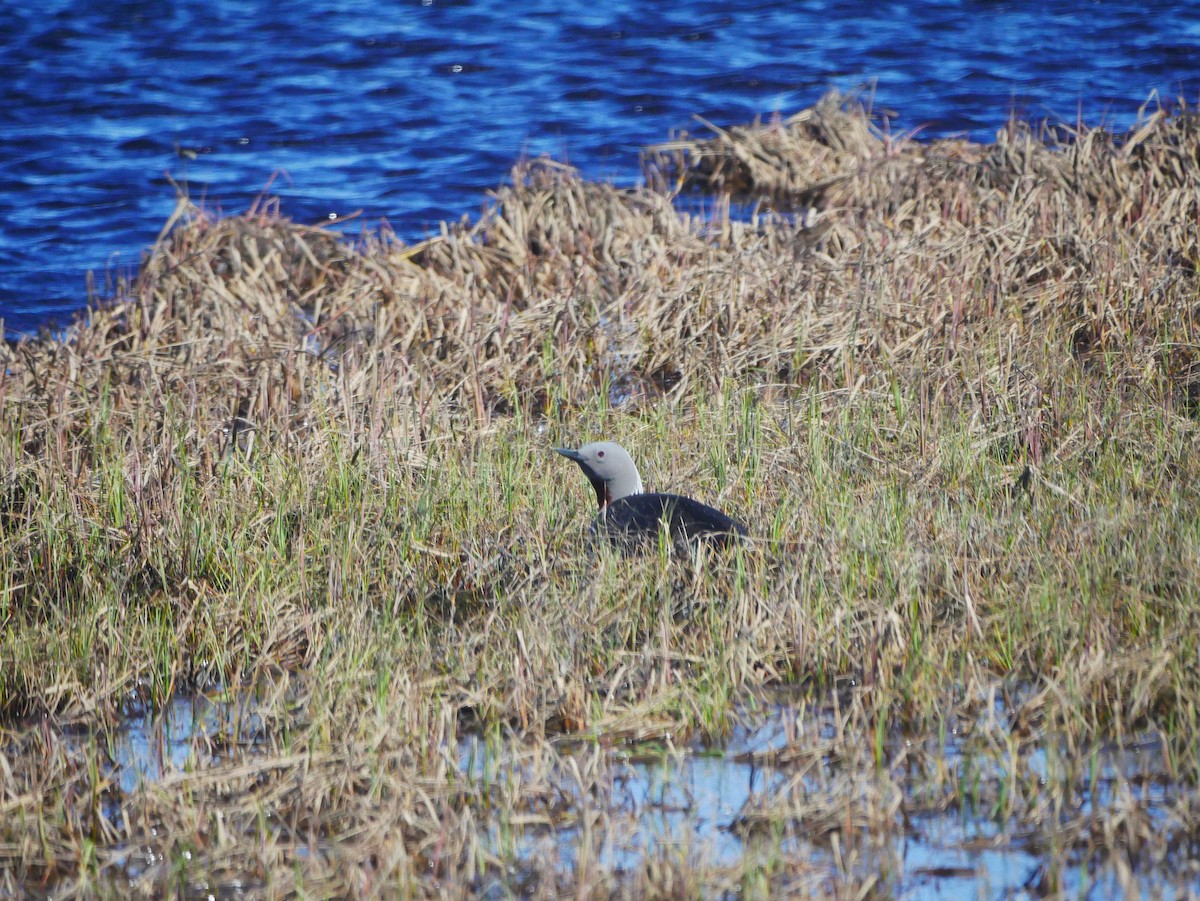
(599, 453)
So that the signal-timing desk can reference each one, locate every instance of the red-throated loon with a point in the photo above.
(630, 516)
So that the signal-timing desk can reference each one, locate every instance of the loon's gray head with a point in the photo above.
(609, 468)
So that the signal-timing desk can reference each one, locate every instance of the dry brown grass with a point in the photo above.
(1084, 246)
(954, 393)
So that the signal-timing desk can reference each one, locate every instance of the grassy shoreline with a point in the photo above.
(956, 404)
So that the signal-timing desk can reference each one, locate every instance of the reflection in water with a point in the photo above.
(699, 802)
(766, 792)
(191, 731)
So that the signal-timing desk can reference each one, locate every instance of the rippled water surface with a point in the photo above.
(411, 111)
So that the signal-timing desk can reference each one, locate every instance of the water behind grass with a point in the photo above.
(194, 730)
(775, 789)
(412, 111)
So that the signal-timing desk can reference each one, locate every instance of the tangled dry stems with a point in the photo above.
(953, 386)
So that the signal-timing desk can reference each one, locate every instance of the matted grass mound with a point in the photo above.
(566, 286)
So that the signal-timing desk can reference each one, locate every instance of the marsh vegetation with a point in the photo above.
(304, 489)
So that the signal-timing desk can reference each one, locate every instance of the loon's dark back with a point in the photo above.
(639, 518)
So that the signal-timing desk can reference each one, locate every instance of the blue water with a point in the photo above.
(411, 111)
(697, 800)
